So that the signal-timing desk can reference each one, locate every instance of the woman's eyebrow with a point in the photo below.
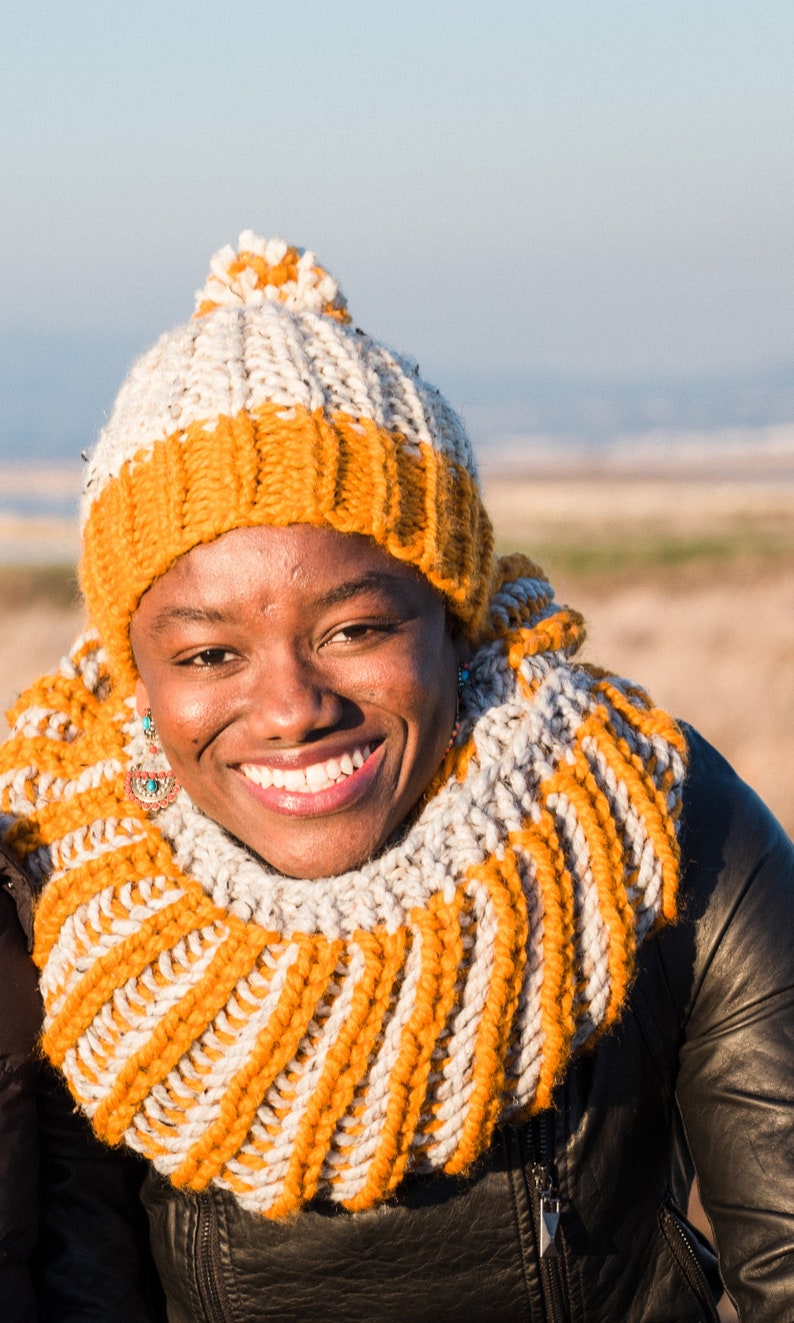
(373, 580)
(202, 615)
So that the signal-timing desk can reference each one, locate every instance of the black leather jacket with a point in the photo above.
(700, 1069)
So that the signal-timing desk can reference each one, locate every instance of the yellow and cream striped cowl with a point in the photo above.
(288, 1039)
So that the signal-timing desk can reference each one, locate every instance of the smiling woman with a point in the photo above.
(306, 696)
(403, 966)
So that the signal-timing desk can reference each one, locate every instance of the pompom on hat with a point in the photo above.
(269, 407)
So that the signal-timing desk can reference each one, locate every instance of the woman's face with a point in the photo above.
(303, 683)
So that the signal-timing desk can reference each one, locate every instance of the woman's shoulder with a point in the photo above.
(733, 849)
(731, 961)
(735, 898)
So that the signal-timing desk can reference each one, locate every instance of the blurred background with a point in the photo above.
(577, 217)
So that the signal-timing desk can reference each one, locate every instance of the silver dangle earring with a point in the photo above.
(463, 675)
(153, 786)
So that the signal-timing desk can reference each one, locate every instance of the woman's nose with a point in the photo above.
(290, 700)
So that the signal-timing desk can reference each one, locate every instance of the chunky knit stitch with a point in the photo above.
(269, 408)
(290, 1039)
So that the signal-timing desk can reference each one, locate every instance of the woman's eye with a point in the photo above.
(355, 633)
(350, 634)
(207, 658)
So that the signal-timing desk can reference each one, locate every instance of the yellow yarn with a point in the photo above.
(264, 468)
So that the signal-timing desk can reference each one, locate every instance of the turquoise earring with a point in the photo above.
(152, 787)
(463, 675)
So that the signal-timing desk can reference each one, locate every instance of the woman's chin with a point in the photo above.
(312, 866)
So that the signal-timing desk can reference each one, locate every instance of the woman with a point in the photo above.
(418, 961)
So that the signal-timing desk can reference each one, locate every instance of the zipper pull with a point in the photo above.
(549, 1226)
(549, 1207)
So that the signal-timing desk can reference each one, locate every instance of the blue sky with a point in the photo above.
(600, 187)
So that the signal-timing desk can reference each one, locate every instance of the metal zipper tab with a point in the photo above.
(549, 1207)
(549, 1226)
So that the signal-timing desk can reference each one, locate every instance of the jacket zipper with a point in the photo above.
(209, 1266)
(691, 1266)
(546, 1214)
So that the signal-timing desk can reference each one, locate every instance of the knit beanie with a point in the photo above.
(270, 407)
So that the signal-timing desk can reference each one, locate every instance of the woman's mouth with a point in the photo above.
(307, 780)
(321, 787)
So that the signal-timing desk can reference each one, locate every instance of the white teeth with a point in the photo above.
(319, 776)
(316, 776)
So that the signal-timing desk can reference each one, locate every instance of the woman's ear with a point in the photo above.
(460, 642)
(463, 648)
(142, 703)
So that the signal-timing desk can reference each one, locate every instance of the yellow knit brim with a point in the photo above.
(276, 466)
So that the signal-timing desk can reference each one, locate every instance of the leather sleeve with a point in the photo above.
(73, 1235)
(736, 1074)
(93, 1258)
(20, 1016)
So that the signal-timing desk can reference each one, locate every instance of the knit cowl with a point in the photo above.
(292, 1039)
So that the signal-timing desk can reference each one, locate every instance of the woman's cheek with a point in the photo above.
(184, 718)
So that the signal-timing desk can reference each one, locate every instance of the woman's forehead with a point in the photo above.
(299, 562)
